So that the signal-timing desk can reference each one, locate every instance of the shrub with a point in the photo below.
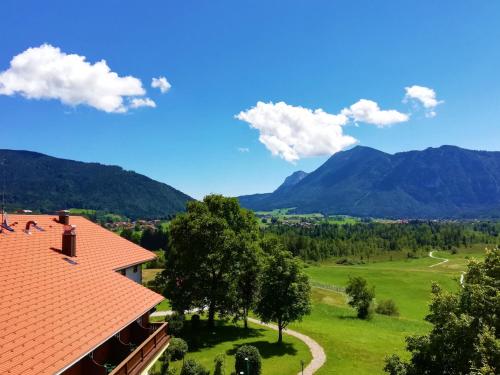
(165, 363)
(254, 360)
(177, 348)
(387, 307)
(175, 323)
(192, 367)
(220, 361)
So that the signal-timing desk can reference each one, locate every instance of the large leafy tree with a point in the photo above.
(465, 337)
(285, 291)
(203, 263)
(248, 279)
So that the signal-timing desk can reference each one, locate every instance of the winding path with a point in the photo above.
(444, 260)
(318, 354)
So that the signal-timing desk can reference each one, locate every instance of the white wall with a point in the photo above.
(135, 276)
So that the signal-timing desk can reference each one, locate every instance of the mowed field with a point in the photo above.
(354, 346)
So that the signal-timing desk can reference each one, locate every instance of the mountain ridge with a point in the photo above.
(44, 183)
(443, 182)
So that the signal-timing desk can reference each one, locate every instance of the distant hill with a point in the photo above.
(444, 182)
(43, 183)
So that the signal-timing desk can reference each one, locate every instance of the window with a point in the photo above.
(136, 268)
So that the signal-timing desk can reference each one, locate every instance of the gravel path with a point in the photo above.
(318, 354)
(444, 260)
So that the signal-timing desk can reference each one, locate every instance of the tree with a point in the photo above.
(360, 296)
(203, 258)
(285, 291)
(248, 279)
(248, 360)
(466, 327)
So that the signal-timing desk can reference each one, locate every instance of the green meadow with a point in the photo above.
(352, 346)
(355, 346)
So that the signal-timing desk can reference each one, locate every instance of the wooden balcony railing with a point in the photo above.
(144, 353)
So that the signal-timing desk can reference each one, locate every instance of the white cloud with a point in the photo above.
(142, 102)
(161, 83)
(369, 112)
(295, 132)
(46, 72)
(424, 96)
(243, 149)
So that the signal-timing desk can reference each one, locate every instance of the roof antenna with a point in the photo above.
(2, 163)
(4, 224)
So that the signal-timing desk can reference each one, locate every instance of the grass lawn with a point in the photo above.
(148, 274)
(354, 346)
(226, 337)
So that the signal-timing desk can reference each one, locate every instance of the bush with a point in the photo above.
(192, 367)
(387, 307)
(177, 348)
(165, 363)
(220, 361)
(175, 324)
(254, 360)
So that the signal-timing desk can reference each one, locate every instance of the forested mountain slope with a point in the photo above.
(444, 182)
(43, 183)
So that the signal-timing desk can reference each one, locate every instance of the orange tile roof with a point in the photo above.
(53, 312)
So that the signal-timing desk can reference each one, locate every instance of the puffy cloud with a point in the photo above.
(46, 72)
(295, 132)
(161, 83)
(424, 96)
(142, 102)
(369, 112)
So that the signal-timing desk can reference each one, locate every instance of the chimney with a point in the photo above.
(69, 241)
(64, 217)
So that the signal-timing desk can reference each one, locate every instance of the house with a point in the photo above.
(71, 300)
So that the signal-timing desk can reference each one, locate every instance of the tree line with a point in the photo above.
(362, 240)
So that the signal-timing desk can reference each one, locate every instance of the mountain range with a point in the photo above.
(443, 182)
(43, 183)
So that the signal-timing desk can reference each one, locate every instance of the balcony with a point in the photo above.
(142, 356)
(127, 353)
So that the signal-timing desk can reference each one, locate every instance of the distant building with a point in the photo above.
(71, 300)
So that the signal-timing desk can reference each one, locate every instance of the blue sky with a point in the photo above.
(223, 57)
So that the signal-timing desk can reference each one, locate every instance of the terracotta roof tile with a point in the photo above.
(52, 311)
